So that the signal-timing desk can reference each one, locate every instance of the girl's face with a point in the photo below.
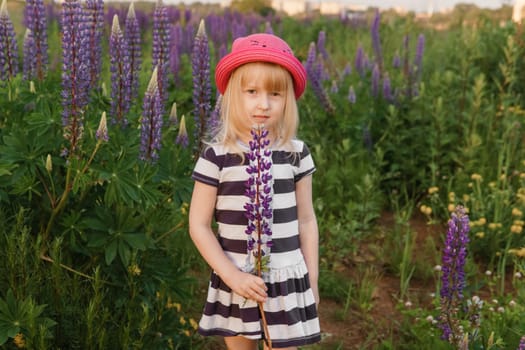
(261, 104)
(259, 96)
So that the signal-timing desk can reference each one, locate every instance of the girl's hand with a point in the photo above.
(247, 285)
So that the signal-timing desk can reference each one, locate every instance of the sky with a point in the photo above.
(414, 5)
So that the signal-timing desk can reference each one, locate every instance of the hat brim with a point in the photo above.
(235, 59)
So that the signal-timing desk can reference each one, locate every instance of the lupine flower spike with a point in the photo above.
(151, 122)
(132, 37)
(75, 73)
(120, 75)
(161, 52)
(36, 21)
(95, 30)
(182, 136)
(8, 45)
(259, 209)
(522, 343)
(314, 70)
(453, 276)
(200, 62)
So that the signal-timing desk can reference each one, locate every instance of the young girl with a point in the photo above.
(260, 81)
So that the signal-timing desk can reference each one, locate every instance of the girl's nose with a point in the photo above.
(264, 102)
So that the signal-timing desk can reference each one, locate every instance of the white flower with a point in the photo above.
(437, 268)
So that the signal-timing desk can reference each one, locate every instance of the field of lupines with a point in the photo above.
(102, 109)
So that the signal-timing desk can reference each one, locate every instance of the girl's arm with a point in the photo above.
(201, 213)
(308, 231)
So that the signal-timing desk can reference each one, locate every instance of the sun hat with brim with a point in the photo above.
(260, 47)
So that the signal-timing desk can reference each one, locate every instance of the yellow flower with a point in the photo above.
(518, 252)
(182, 321)
(184, 208)
(451, 197)
(466, 198)
(134, 269)
(187, 333)
(171, 305)
(494, 226)
(480, 234)
(522, 175)
(516, 229)
(19, 341)
(516, 212)
(482, 221)
(476, 177)
(425, 209)
(433, 190)
(194, 324)
(451, 207)
(519, 222)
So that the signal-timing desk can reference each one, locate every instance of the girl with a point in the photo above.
(260, 80)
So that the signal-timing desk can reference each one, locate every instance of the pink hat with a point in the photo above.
(260, 48)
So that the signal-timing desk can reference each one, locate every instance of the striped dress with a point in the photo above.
(290, 308)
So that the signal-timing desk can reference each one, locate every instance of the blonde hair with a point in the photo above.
(274, 78)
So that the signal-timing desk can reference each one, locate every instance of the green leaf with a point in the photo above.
(124, 252)
(137, 240)
(111, 252)
(3, 336)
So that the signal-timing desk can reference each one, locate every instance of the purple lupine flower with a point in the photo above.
(321, 40)
(102, 132)
(151, 122)
(376, 40)
(132, 37)
(95, 20)
(453, 275)
(75, 73)
(238, 30)
(182, 136)
(120, 75)
(387, 89)
(521, 346)
(161, 50)
(375, 81)
(314, 70)
(200, 64)
(367, 139)
(175, 51)
(359, 61)
(418, 59)
(36, 22)
(259, 209)
(215, 115)
(396, 61)
(334, 89)
(8, 45)
(347, 70)
(29, 62)
(351, 95)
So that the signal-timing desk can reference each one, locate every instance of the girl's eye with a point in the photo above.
(251, 91)
(276, 93)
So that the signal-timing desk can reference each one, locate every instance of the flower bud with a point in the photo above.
(49, 163)
(102, 131)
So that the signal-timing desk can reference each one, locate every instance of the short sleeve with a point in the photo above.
(207, 169)
(306, 164)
